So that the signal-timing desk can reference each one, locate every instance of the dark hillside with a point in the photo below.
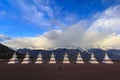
(6, 52)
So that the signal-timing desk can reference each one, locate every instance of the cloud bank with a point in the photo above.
(101, 31)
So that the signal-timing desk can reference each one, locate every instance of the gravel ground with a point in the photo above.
(59, 71)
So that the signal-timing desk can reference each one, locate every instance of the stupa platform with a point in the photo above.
(13, 62)
(52, 62)
(80, 62)
(108, 62)
(93, 62)
(39, 62)
(66, 61)
(26, 62)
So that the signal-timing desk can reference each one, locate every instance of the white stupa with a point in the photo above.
(79, 59)
(66, 59)
(26, 60)
(52, 59)
(107, 60)
(39, 59)
(14, 59)
(93, 59)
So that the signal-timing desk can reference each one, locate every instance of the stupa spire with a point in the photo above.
(66, 59)
(93, 60)
(14, 59)
(39, 59)
(26, 60)
(107, 60)
(79, 59)
(52, 59)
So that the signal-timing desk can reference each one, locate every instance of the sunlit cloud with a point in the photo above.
(99, 31)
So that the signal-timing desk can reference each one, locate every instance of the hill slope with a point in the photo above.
(6, 52)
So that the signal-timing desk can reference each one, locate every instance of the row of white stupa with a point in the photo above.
(52, 60)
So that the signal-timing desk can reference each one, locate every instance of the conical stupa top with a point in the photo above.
(52, 55)
(93, 57)
(27, 55)
(106, 57)
(78, 55)
(39, 55)
(66, 55)
(14, 55)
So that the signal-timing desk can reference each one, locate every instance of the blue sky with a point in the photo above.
(13, 22)
(31, 18)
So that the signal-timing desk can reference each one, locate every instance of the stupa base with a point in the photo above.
(66, 62)
(52, 62)
(107, 62)
(38, 62)
(26, 62)
(13, 62)
(80, 62)
(94, 62)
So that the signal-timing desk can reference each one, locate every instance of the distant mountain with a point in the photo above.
(99, 53)
(6, 52)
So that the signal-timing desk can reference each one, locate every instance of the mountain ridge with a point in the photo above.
(99, 53)
(6, 52)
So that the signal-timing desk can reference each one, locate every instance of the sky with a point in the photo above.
(49, 24)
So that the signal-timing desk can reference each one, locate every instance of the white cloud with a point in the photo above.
(110, 41)
(38, 12)
(108, 21)
(103, 32)
(33, 14)
(44, 13)
(107, 24)
(39, 42)
(4, 37)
